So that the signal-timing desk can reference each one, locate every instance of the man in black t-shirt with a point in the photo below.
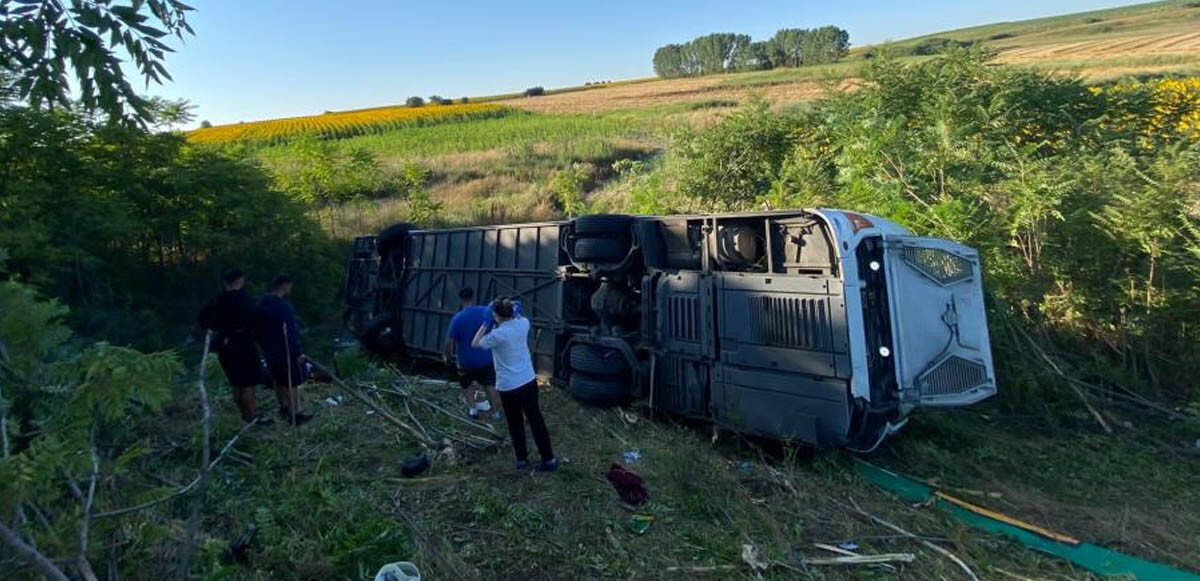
(232, 317)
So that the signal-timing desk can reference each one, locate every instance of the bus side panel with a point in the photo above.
(519, 261)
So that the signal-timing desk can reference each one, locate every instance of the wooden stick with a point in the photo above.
(842, 551)
(966, 569)
(711, 569)
(863, 559)
(1008, 519)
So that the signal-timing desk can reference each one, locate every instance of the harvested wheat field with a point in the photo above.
(1139, 45)
(672, 91)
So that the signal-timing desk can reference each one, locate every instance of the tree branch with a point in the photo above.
(186, 488)
(189, 543)
(31, 554)
(4, 409)
(85, 568)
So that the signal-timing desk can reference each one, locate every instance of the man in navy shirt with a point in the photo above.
(279, 336)
(474, 364)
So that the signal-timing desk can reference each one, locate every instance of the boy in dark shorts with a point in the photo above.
(474, 364)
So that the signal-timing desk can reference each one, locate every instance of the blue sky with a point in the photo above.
(257, 59)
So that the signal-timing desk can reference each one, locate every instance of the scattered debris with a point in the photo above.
(842, 551)
(745, 466)
(414, 465)
(399, 571)
(751, 557)
(640, 523)
(331, 402)
(632, 456)
(630, 486)
(848, 546)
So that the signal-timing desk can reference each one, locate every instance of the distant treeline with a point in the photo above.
(725, 52)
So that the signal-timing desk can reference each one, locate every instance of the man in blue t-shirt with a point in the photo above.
(474, 364)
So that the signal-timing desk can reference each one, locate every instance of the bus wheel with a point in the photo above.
(598, 391)
(601, 361)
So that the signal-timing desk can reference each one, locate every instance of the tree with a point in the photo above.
(669, 61)
(42, 41)
(787, 47)
(167, 114)
(415, 102)
(206, 124)
(754, 56)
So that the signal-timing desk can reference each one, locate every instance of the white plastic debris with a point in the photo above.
(329, 401)
(399, 571)
(632, 456)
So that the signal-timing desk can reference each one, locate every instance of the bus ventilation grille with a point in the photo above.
(801, 323)
(953, 375)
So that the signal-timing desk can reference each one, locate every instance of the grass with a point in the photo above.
(513, 131)
(328, 501)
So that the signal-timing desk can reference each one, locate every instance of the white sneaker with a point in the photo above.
(483, 406)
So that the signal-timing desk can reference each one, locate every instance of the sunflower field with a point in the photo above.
(338, 125)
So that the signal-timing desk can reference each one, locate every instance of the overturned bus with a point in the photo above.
(822, 326)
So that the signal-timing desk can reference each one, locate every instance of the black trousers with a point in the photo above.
(521, 404)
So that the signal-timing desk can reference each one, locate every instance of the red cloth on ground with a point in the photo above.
(630, 486)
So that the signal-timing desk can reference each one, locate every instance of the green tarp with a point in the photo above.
(1094, 558)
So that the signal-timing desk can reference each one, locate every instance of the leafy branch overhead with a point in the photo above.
(50, 45)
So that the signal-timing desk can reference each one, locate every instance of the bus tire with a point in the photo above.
(598, 391)
(392, 237)
(382, 336)
(600, 250)
(603, 225)
(599, 361)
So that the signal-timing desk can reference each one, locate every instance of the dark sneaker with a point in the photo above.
(522, 465)
(549, 465)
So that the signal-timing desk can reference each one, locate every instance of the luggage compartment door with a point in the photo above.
(939, 324)
(784, 357)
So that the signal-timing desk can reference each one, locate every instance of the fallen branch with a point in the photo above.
(187, 488)
(949, 555)
(440, 409)
(383, 412)
(1070, 380)
(434, 406)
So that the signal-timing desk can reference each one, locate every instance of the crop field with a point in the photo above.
(345, 123)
